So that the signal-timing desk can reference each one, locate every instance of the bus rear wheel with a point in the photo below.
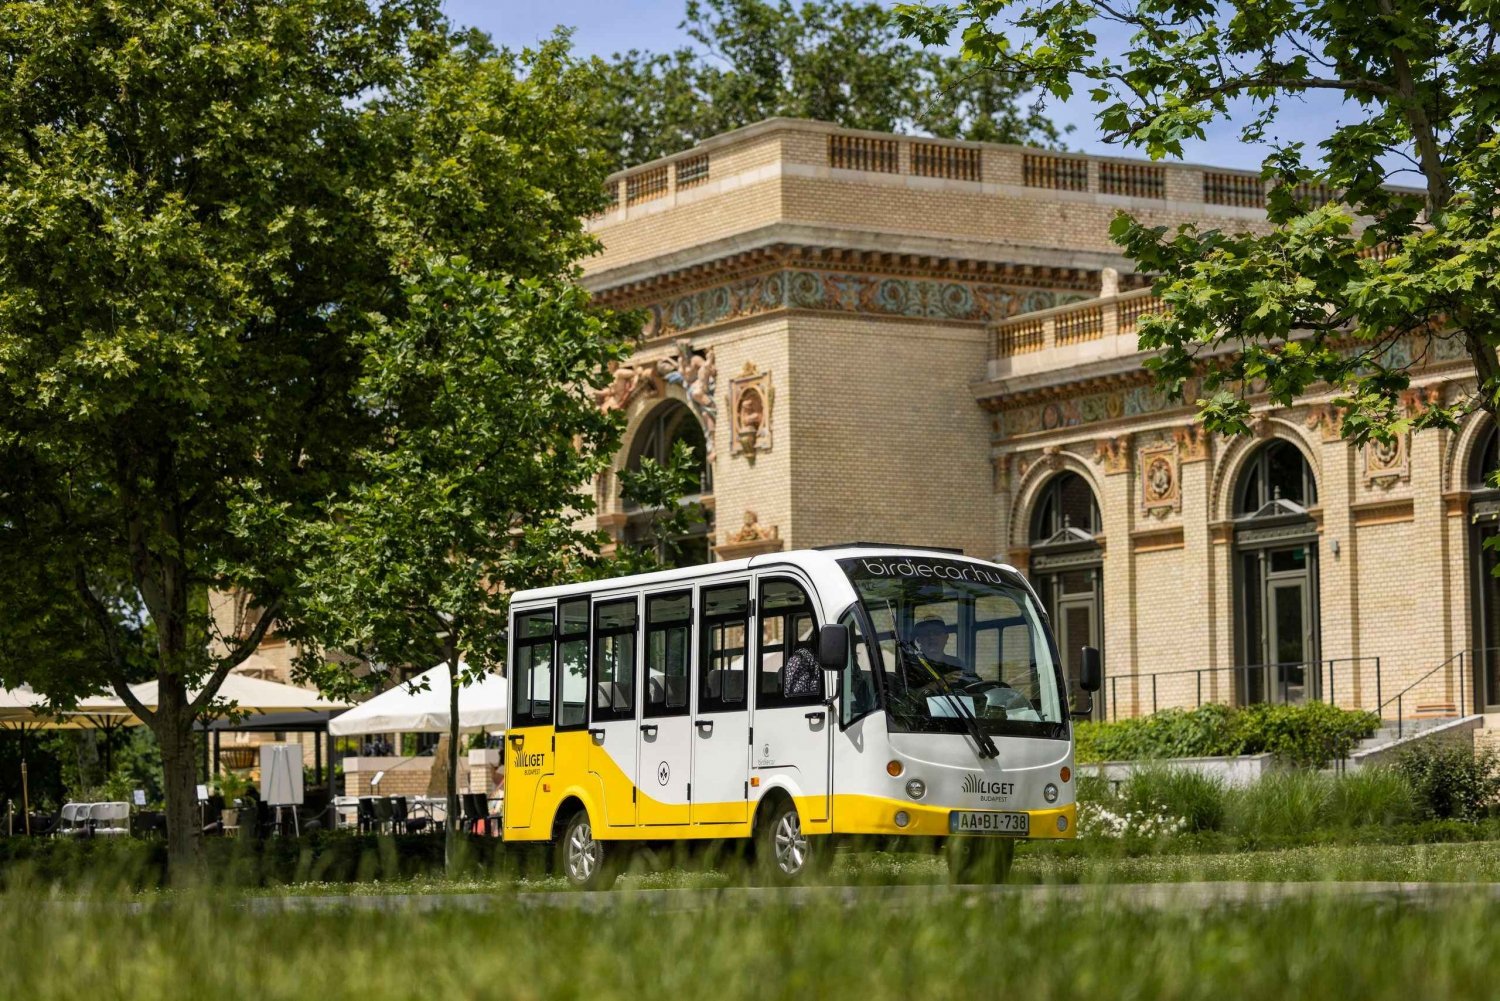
(584, 861)
(979, 860)
(783, 853)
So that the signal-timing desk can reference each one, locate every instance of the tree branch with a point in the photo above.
(106, 624)
(235, 658)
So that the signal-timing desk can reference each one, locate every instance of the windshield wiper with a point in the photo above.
(986, 746)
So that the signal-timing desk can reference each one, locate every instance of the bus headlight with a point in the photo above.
(916, 788)
(1049, 793)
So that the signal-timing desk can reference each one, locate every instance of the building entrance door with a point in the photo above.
(1077, 619)
(1289, 640)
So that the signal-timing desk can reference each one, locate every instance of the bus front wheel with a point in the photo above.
(783, 853)
(979, 860)
(584, 861)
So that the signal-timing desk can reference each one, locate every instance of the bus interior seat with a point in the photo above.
(610, 695)
(726, 685)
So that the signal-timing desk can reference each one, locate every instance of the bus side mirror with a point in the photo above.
(833, 646)
(1091, 670)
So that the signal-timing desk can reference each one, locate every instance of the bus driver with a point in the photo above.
(931, 634)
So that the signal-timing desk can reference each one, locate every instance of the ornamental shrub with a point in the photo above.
(1452, 781)
(1312, 734)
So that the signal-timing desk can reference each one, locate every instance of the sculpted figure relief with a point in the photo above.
(628, 382)
(696, 373)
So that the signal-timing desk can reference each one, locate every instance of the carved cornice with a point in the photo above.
(762, 260)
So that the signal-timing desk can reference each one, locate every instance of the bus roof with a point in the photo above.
(822, 558)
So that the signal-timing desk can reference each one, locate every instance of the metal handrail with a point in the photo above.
(1401, 695)
(1326, 671)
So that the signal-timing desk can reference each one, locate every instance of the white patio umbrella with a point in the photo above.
(251, 695)
(23, 709)
(481, 706)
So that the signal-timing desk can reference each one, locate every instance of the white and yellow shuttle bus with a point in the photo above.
(791, 699)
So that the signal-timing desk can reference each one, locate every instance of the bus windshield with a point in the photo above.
(959, 642)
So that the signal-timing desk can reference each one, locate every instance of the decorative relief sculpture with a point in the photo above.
(1161, 489)
(1328, 419)
(1192, 443)
(750, 399)
(695, 372)
(1388, 462)
(1417, 401)
(847, 292)
(627, 383)
(752, 539)
(753, 531)
(1000, 469)
(1113, 454)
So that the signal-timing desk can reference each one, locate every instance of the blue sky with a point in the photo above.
(604, 27)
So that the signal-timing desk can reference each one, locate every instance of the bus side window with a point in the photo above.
(669, 630)
(531, 697)
(859, 679)
(725, 628)
(573, 663)
(614, 659)
(789, 671)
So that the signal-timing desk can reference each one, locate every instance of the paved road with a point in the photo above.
(1134, 895)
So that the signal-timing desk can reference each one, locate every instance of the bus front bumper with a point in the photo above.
(878, 815)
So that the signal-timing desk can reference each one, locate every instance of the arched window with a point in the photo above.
(1066, 502)
(1486, 461)
(665, 427)
(1277, 472)
(669, 424)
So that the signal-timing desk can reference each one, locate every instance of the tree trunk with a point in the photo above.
(173, 727)
(450, 833)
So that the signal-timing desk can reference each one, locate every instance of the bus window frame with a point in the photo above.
(856, 612)
(531, 719)
(775, 699)
(666, 711)
(708, 704)
(598, 634)
(558, 673)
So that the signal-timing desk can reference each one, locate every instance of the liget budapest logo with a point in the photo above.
(530, 764)
(988, 790)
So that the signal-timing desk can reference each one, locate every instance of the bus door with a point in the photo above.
(665, 748)
(792, 723)
(612, 726)
(721, 722)
(528, 749)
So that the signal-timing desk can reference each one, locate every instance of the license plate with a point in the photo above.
(1015, 825)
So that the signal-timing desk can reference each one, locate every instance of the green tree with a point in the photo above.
(473, 490)
(218, 229)
(1327, 289)
(835, 61)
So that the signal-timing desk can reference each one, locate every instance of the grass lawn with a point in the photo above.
(1472, 862)
(961, 947)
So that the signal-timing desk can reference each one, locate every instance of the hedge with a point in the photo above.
(1311, 734)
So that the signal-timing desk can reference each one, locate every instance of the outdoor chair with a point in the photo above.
(42, 824)
(402, 818)
(74, 818)
(476, 810)
(150, 824)
(384, 815)
(110, 819)
(365, 814)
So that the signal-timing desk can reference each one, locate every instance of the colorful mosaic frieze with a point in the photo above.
(840, 292)
(1090, 408)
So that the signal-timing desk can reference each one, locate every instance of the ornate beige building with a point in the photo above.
(871, 337)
